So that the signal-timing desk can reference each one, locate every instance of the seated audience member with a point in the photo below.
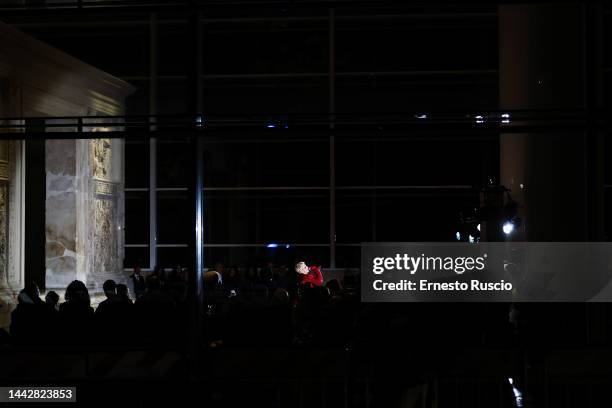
(29, 317)
(112, 317)
(123, 293)
(231, 280)
(219, 267)
(138, 282)
(349, 286)
(155, 313)
(280, 321)
(284, 279)
(76, 314)
(52, 300)
(110, 291)
(266, 276)
(176, 287)
(214, 308)
(335, 291)
(107, 305)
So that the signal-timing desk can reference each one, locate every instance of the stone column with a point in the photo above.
(16, 216)
(6, 295)
(102, 235)
(11, 207)
(60, 213)
(84, 212)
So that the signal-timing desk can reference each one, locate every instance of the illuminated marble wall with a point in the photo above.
(11, 226)
(5, 290)
(60, 213)
(84, 212)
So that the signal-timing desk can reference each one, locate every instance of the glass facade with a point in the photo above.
(321, 193)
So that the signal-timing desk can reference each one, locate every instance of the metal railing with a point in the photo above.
(516, 121)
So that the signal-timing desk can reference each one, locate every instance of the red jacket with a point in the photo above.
(313, 277)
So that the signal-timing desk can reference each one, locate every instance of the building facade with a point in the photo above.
(80, 180)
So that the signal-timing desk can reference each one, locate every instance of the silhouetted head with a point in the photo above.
(24, 299)
(282, 271)
(333, 286)
(31, 290)
(280, 297)
(219, 267)
(232, 272)
(52, 298)
(77, 292)
(110, 288)
(212, 279)
(122, 291)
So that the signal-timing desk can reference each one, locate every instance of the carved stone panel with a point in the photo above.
(105, 237)
(101, 153)
(3, 230)
(4, 161)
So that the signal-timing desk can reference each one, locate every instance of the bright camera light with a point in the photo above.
(508, 227)
(272, 245)
(458, 236)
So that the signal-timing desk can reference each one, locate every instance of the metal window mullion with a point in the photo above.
(332, 142)
(153, 141)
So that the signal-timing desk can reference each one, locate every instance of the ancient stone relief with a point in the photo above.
(3, 229)
(4, 160)
(105, 240)
(4, 178)
(106, 256)
(102, 159)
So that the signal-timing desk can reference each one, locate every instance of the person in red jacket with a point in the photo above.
(309, 275)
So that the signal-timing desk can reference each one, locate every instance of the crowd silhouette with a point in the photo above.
(271, 306)
(264, 306)
(253, 306)
(156, 316)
